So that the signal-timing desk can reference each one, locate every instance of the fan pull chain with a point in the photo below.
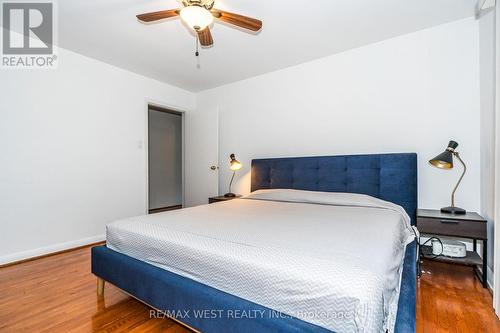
(197, 52)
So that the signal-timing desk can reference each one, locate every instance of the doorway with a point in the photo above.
(165, 159)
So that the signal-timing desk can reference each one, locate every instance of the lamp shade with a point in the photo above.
(235, 165)
(445, 159)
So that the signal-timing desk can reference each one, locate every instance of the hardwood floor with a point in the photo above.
(451, 299)
(164, 209)
(58, 294)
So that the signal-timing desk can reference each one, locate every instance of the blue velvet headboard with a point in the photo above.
(390, 177)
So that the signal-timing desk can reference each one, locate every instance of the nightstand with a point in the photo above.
(469, 226)
(221, 198)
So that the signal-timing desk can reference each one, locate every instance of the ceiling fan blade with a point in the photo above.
(205, 37)
(155, 16)
(238, 20)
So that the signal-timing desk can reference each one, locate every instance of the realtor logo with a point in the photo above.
(28, 35)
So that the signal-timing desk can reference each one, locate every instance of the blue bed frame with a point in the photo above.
(391, 177)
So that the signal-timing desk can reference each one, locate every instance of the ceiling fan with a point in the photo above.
(199, 15)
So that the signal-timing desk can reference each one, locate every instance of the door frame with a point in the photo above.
(496, 225)
(163, 107)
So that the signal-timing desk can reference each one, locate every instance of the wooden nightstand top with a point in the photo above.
(470, 225)
(436, 214)
(222, 198)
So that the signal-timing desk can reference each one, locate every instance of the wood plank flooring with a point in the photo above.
(451, 299)
(58, 294)
(164, 209)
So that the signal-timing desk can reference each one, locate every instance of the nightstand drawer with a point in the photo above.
(452, 227)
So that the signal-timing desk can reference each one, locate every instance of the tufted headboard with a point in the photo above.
(390, 177)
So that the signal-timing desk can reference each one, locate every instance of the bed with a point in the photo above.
(296, 255)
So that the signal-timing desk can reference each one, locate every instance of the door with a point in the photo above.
(202, 155)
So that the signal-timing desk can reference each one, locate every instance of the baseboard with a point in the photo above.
(489, 279)
(43, 251)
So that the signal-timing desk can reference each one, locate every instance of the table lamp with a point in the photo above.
(445, 161)
(234, 165)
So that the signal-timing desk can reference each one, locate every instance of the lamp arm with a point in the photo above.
(231, 182)
(457, 155)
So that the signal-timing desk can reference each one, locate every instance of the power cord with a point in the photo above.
(419, 268)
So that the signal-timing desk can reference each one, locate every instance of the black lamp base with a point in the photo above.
(453, 210)
(230, 195)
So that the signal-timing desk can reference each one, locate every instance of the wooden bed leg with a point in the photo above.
(100, 287)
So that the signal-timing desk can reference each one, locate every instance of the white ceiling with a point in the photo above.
(294, 32)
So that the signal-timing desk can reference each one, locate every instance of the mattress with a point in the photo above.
(331, 259)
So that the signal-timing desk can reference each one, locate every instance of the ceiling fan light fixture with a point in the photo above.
(196, 17)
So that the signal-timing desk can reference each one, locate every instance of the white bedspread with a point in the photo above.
(331, 259)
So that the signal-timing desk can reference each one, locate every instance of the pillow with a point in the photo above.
(326, 198)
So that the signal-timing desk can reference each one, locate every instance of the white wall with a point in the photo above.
(407, 94)
(73, 158)
(72, 155)
(165, 159)
(487, 115)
